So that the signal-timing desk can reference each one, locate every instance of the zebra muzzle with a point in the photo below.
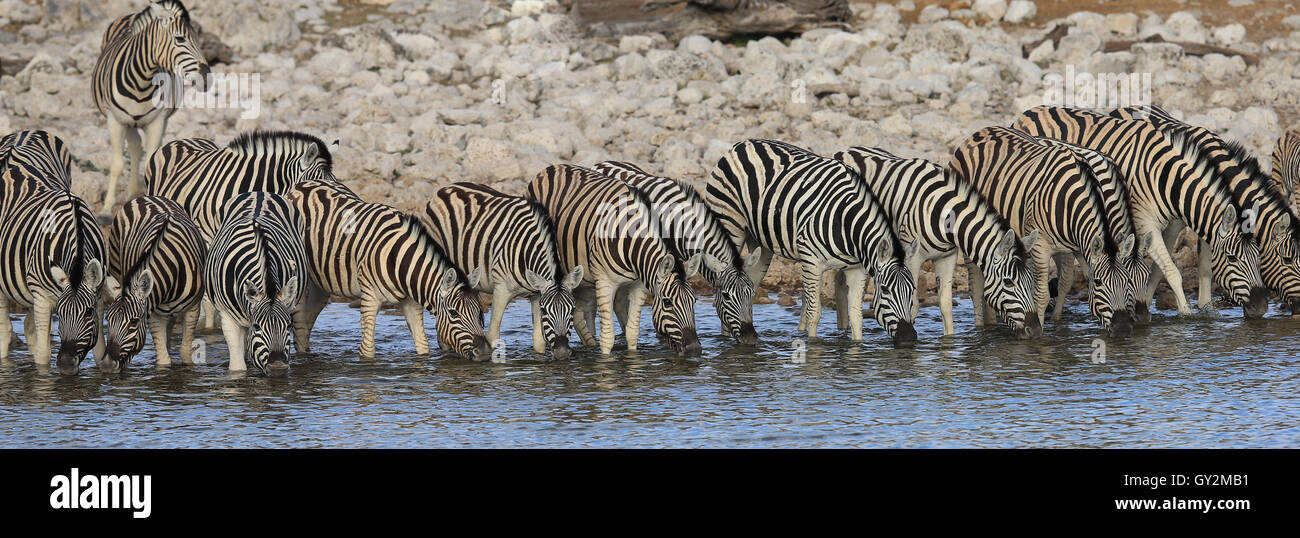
(1033, 326)
(747, 335)
(1142, 313)
(1257, 305)
(905, 335)
(689, 345)
(69, 362)
(560, 350)
(1121, 325)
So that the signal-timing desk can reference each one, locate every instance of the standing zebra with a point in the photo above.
(136, 48)
(202, 177)
(1267, 213)
(380, 255)
(938, 214)
(253, 274)
(513, 238)
(782, 199)
(51, 252)
(606, 227)
(1286, 166)
(1036, 186)
(1114, 193)
(155, 269)
(1164, 187)
(691, 227)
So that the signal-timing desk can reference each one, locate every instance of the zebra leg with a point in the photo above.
(855, 279)
(633, 298)
(1204, 297)
(153, 138)
(914, 264)
(975, 280)
(1165, 263)
(101, 346)
(539, 340)
(842, 301)
(190, 323)
(369, 310)
(812, 299)
(757, 271)
(158, 326)
(209, 314)
(234, 343)
(500, 298)
(583, 315)
(304, 319)
(1064, 278)
(38, 339)
(621, 308)
(116, 132)
(6, 332)
(1039, 257)
(415, 321)
(943, 269)
(605, 302)
(133, 154)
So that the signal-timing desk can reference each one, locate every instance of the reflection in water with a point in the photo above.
(1196, 382)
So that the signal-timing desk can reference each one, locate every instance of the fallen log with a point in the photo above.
(716, 19)
(1194, 49)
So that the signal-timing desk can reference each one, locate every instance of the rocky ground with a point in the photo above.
(422, 94)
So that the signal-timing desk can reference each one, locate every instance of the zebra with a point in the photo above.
(253, 275)
(202, 176)
(513, 239)
(781, 199)
(1267, 212)
(51, 252)
(934, 208)
(380, 255)
(1165, 186)
(691, 227)
(606, 226)
(1114, 193)
(1286, 166)
(155, 269)
(1047, 188)
(135, 49)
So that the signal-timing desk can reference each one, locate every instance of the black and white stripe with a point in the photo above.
(513, 240)
(255, 276)
(155, 269)
(1286, 167)
(1036, 186)
(51, 251)
(937, 214)
(690, 227)
(606, 227)
(135, 48)
(782, 199)
(380, 255)
(1166, 188)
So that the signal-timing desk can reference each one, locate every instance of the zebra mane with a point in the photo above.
(544, 222)
(142, 19)
(863, 186)
(966, 190)
(155, 235)
(1267, 188)
(428, 243)
(1099, 201)
(643, 201)
(1182, 141)
(272, 142)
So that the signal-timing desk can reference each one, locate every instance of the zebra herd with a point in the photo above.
(260, 233)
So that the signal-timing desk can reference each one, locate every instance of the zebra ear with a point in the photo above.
(1228, 223)
(913, 249)
(1096, 246)
(308, 159)
(883, 252)
(713, 263)
(1005, 245)
(475, 277)
(143, 285)
(251, 291)
(752, 258)
(60, 277)
(112, 289)
(1030, 239)
(573, 279)
(448, 282)
(664, 268)
(1126, 246)
(288, 291)
(536, 281)
(1145, 245)
(692, 264)
(159, 12)
(93, 275)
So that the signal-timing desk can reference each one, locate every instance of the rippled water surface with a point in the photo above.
(1198, 382)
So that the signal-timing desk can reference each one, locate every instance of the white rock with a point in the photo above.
(991, 9)
(1020, 11)
(418, 45)
(18, 11)
(897, 124)
(931, 14)
(1292, 22)
(527, 8)
(490, 159)
(695, 44)
(841, 48)
(690, 96)
(1231, 34)
(247, 26)
(630, 66)
(1122, 23)
(1187, 26)
(524, 30)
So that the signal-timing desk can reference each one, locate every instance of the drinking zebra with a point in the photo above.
(1114, 193)
(1286, 166)
(51, 252)
(690, 227)
(513, 239)
(781, 199)
(137, 48)
(254, 276)
(155, 268)
(606, 227)
(380, 255)
(938, 214)
(1164, 187)
(1040, 187)
(202, 177)
(1267, 213)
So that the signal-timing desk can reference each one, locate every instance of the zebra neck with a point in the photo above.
(976, 231)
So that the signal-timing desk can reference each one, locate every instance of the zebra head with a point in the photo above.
(895, 293)
(77, 307)
(175, 43)
(458, 315)
(126, 319)
(1234, 257)
(270, 325)
(1280, 261)
(1109, 287)
(734, 296)
(1009, 284)
(556, 305)
(1139, 272)
(673, 309)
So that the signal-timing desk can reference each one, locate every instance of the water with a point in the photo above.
(1200, 382)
